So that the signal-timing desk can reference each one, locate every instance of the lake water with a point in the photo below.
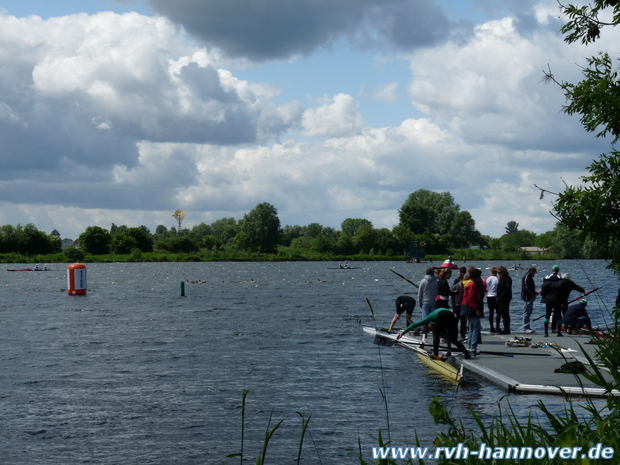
(133, 373)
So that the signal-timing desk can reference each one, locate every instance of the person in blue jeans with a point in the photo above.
(528, 296)
(472, 306)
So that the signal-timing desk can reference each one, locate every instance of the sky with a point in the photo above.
(124, 111)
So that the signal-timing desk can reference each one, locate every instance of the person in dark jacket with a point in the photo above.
(555, 292)
(577, 316)
(504, 296)
(528, 296)
(456, 302)
(444, 291)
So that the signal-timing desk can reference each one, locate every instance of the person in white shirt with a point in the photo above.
(490, 284)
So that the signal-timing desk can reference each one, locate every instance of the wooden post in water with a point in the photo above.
(182, 289)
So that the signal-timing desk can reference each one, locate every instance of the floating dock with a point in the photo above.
(523, 370)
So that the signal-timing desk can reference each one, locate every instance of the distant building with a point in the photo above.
(67, 243)
(535, 250)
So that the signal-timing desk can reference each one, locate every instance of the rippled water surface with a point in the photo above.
(133, 373)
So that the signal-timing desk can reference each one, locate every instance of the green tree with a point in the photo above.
(183, 244)
(567, 243)
(144, 240)
(365, 237)
(427, 211)
(37, 242)
(545, 240)
(209, 242)
(520, 238)
(313, 230)
(289, 233)
(323, 244)
(463, 232)
(303, 242)
(345, 245)
(198, 232)
(225, 229)
(262, 227)
(114, 229)
(11, 238)
(73, 254)
(403, 236)
(351, 225)
(512, 227)
(386, 240)
(123, 244)
(95, 240)
(593, 208)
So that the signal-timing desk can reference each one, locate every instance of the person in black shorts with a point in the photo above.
(404, 304)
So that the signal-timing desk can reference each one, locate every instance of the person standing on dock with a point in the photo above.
(444, 325)
(404, 304)
(528, 296)
(490, 284)
(443, 289)
(457, 300)
(555, 292)
(472, 306)
(504, 297)
(427, 292)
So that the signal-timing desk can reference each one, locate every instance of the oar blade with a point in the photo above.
(370, 307)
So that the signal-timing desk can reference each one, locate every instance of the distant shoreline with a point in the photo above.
(460, 257)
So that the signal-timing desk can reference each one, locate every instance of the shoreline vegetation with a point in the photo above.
(460, 256)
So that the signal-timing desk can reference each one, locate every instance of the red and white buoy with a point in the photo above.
(76, 279)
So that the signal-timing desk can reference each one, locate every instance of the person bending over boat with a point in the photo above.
(404, 303)
(444, 324)
(577, 317)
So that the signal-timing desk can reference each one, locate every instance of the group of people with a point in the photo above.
(436, 295)
(455, 310)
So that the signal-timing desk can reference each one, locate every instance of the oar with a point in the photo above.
(371, 310)
(400, 275)
(585, 294)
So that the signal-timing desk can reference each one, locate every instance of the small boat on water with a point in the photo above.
(30, 269)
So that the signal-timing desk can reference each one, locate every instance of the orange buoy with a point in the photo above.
(76, 279)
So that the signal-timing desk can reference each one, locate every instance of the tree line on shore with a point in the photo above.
(430, 224)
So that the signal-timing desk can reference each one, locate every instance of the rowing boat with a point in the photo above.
(30, 269)
(438, 365)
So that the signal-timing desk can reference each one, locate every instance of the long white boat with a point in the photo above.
(438, 365)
